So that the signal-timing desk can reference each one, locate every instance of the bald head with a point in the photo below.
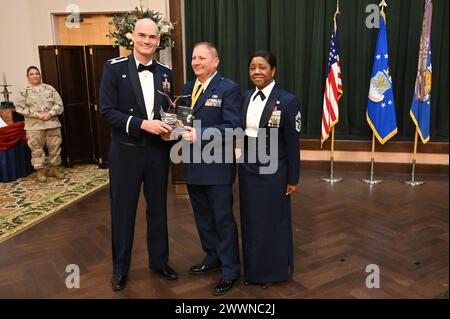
(145, 23)
(145, 39)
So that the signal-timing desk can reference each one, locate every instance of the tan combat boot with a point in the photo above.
(41, 175)
(53, 171)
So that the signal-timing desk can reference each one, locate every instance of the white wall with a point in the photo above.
(26, 24)
(16, 51)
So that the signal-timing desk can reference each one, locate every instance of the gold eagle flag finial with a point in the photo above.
(382, 4)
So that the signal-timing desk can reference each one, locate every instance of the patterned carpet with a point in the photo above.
(25, 202)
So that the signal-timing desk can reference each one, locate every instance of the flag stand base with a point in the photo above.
(331, 179)
(413, 183)
(371, 181)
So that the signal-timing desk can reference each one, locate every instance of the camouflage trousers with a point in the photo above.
(37, 140)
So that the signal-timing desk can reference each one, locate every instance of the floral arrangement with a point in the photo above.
(125, 23)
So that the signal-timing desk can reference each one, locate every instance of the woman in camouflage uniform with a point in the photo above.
(41, 104)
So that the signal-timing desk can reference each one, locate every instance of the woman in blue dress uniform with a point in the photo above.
(265, 196)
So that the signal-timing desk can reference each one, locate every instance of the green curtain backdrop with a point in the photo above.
(298, 33)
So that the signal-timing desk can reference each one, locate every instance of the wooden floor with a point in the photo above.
(338, 231)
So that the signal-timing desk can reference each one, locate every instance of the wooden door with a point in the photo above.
(63, 67)
(49, 71)
(97, 55)
(77, 117)
(176, 14)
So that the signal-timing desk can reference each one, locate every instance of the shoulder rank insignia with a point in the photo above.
(298, 122)
(118, 59)
(164, 65)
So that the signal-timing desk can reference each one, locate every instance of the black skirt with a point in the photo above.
(266, 225)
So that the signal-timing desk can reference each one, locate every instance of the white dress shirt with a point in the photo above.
(255, 110)
(148, 91)
(208, 81)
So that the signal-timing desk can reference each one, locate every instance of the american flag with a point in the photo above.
(333, 85)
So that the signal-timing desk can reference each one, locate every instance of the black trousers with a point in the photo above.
(213, 211)
(129, 168)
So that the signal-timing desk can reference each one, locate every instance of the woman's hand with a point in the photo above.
(290, 189)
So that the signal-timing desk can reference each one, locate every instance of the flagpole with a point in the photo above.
(421, 95)
(332, 179)
(414, 182)
(372, 181)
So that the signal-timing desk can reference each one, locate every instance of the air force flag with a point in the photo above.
(421, 103)
(381, 107)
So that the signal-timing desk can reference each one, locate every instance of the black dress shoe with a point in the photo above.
(202, 268)
(266, 285)
(118, 282)
(167, 273)
(223, 286)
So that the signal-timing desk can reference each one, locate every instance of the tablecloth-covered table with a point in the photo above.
(15, 156)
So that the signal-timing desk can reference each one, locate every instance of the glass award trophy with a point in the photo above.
(177, 116)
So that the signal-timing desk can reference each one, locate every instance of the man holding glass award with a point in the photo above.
(137, 153)
(216, 105)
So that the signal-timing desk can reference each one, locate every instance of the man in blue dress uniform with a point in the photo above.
(215, 101)
(130, 104)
